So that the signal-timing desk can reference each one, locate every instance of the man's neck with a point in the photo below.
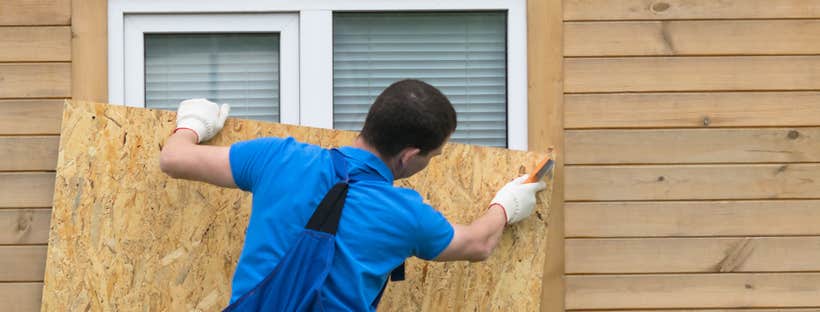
(362, 144)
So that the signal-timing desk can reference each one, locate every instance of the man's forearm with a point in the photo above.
(489, 228)
(183, 158)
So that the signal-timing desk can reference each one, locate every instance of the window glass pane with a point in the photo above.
(461, 53)
(239, 69)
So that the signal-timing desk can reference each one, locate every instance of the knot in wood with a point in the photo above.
(793, 134)
(660, 7)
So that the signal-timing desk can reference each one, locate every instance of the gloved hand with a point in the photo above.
(203, 117)
(517, 198)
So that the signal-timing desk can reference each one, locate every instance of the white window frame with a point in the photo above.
(315, 46)
(137, 25)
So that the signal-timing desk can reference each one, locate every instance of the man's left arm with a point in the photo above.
(183, 158)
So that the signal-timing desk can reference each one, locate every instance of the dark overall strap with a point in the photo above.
(327, 215)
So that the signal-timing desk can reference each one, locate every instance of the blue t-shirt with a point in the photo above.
(381, 225)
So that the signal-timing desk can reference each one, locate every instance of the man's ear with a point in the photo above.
(407, 153)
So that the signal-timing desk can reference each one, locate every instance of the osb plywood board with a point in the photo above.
(124, 236)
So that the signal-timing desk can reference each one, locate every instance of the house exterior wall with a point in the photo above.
(35, 77)
(688, 129)
(52, 50)
(692, 154)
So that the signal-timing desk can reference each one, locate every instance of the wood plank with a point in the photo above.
(689, 9)
(714, 73)
(28, 153)
(21, 297)
(129, 209)
(35, 12)
(691, 182)
(30, 116)
(30, 44)
(688, 255)
(693, 218)
(545, 116)
(24, 226)
(26, 189)
(21, 80)
(713, 109)
(747, 37)
(726, 290)
(692, 146)
(713, 310)
(90, 45)
(22, 263)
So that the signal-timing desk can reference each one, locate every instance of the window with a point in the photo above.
(240, 69)
(321, 63)
(463, 54)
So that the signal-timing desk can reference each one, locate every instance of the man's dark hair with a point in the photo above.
(409, 113)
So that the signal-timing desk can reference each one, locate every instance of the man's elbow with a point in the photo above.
(169, 163)
(481, 252)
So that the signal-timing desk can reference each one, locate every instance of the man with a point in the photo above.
(381, 225)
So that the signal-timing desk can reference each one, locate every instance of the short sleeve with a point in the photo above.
(249, 159)
(434, 233)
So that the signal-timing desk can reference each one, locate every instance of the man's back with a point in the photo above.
(380, 226)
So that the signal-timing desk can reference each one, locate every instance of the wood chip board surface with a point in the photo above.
(126, 237)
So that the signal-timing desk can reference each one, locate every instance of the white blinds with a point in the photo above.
(240, 69)
(461, 53)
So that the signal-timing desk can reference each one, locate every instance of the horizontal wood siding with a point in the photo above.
(744, 37)
(35, 12)
(604, 10)
(23, 296)
(28, 152)
(693, 218)
(724, 290)
(35, 44)
(692, 174)
(24, 226)
(692, 110)
(708, 73)
(35, 79)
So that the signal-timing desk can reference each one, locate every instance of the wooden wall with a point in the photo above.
(37, 40)
(693, 154)
(35, 77)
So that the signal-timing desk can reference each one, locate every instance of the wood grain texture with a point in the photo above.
(35, 12)
(690, 182)
(22, 263)
(30, 116)
(25, 80)
(692, 110)
(725, 290)
(130, 235)
(26, 189)
(736, 37)
(689, 9)
(21, 296)
(90, 45)
(31, 44)
(545, 117)
(28, 153)
(693, 218)
(735, 73)
(693, 255)
(24, 226)
(693, 146)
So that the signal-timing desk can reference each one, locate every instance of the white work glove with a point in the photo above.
(518, 198)
(203, 117)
